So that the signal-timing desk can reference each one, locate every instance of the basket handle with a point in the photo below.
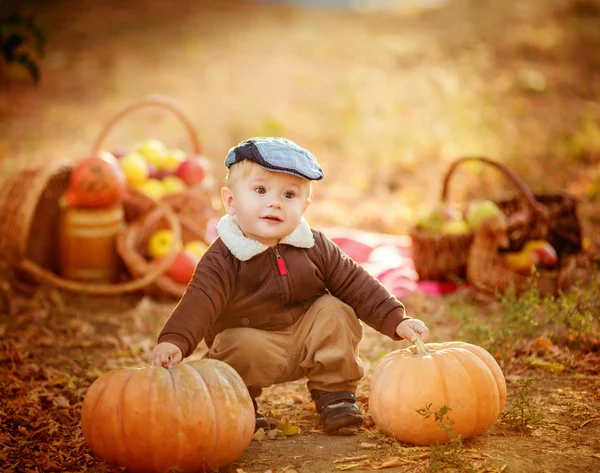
(151, 101)
(112, 289)
(534, 205)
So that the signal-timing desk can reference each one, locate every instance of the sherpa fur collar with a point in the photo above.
(244, 248)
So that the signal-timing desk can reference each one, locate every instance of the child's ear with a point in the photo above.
(306, 204)
(228, 201)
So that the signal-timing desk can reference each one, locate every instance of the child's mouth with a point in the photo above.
(272, 219)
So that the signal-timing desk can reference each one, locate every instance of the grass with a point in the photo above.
(449, 456)
(514, 321)
(524, 412)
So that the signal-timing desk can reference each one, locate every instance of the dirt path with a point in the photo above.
(53, 347)
(385, 101)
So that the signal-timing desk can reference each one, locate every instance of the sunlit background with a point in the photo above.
(385, 93)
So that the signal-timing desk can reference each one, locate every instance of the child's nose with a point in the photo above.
(276, 202)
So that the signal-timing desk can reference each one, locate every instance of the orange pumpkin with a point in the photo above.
(194, 417)
(461, 376)
(96, 181)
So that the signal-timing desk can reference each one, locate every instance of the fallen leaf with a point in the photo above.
(259, 435)
(351, 459)
(548, 365)
(392, 462)
(273, 434)
(61, 401)
(350, 430)
(297, 400)
(585, 422)
(349, 466)
(287, 429)
(368, 445)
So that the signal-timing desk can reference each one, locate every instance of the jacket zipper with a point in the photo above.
(280, 263)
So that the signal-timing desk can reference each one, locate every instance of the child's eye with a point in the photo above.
(289, 195)
(260, 190)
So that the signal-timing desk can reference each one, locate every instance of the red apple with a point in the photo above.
(545, 252)
(182, 268)
(193, 170)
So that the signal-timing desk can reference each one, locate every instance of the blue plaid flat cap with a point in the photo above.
(278, 155)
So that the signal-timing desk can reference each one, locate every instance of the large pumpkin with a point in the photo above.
(458, 375)
(194, 417)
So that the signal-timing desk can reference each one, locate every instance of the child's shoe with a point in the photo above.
(261, 421)
(337, 409)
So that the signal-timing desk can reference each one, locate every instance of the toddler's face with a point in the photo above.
(267, 205)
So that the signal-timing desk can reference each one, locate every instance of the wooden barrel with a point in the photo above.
(87, 243)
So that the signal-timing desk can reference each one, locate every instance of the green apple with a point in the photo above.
(153, 188)
(196, 247)
(161, 242)
(173, 185)
(135, 168)
(479, 210)
(172, 159)
(153, 151)
(435, 219)
(455, 227)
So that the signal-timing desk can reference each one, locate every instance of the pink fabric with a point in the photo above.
(388, 258)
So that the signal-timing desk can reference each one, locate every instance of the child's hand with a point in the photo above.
(166, 354)
(407, 328)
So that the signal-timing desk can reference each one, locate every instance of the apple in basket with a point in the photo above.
(455, 227)
(545, 252)
(479, 210)
(196, 247)
(152, 188)
(135, 168)
(173, 185)
(193, 170)
(439, 215)
(153, 151)
(521, 261)
(160, 244)
(172, 159)
(182, 268)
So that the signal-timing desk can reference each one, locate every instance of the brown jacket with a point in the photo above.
(241, 283)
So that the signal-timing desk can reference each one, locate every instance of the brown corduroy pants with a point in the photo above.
(322, 345)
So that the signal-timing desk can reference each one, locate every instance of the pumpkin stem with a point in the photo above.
(421, 348)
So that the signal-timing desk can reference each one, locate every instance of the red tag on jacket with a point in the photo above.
(281, 266)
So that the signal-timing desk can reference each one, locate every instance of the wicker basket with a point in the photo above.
(560, 225)
(443, 257)
(197, 201)
(29, 215)
(487, 270)
(132, 244)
